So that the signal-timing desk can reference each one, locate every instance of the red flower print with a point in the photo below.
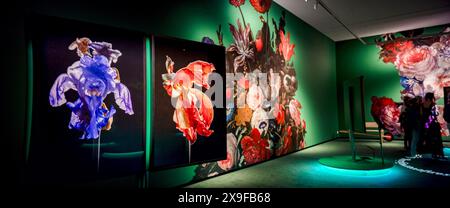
(191, 119)
(287, 143)
(254, 148)
(194, 110)
(237, 3)
(279, 114)
(286, 49)
(390, 50)
(261, 6)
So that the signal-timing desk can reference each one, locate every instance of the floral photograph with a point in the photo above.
(189, 124)
(88, 101)
(264, 121)
(423, 64)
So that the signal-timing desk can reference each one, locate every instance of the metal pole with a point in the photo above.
(381, 131)
(339, 21)
(352, 142)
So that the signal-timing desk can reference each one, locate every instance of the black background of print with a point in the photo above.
(169, 146)
(57, 155)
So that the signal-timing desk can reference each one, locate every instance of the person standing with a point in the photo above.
(414, 119)
(432, 128)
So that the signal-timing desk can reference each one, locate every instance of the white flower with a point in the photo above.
(260, 120)
(255, 97)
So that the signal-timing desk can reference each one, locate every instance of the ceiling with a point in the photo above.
(370, 17)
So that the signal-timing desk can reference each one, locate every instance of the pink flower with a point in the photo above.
(436, 81)
(443, 53)
(286, 49)
(294, 110)
(417, 62)
(228, 163)
(255, 97)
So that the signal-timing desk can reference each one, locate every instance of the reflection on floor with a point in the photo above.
(303, 170)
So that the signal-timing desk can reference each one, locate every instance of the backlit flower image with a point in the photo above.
(93, 77)
(194, 110)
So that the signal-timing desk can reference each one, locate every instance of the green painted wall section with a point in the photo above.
(314, 57)
(354, 59)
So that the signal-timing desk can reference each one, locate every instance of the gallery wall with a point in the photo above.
(314, 59)
(355, 59)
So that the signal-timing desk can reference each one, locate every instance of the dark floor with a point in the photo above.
(302, 170)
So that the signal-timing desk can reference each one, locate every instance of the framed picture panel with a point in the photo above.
(88, 106)
(189, 115)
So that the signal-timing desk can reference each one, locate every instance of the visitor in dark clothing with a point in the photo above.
(432, 129)
(406, 121)
(447, 109)
(414, 123)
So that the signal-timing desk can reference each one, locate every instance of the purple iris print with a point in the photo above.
(94, 79)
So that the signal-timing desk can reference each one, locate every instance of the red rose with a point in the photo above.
(237, 3)
(254, 148)
(262, 6)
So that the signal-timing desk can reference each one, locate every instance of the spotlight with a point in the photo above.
(315, 5)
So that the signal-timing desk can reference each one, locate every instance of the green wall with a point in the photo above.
(314, 58)
(355, 59)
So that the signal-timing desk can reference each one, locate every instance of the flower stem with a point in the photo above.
(242, 15)
(189, 151)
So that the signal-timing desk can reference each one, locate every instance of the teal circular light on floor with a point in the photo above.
(355, 173)
(447, 151)
(359, 164)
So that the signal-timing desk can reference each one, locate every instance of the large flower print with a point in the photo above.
(94, 79)
(436, 81)
(417, 62)
(194, 110)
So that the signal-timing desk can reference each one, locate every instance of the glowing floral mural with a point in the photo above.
(93, 78)
(259, 129)
(423, 65)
